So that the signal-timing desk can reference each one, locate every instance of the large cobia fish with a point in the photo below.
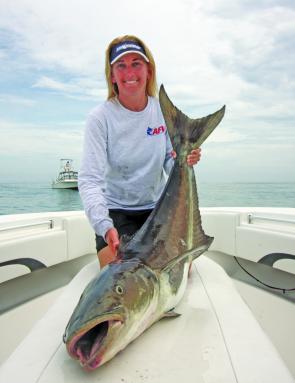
(149, 276)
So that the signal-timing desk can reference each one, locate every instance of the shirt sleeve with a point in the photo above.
(91, 180)
(169, 161)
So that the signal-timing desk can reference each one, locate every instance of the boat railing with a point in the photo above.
(49, 223)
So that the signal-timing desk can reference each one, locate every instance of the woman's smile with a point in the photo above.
(130, 82)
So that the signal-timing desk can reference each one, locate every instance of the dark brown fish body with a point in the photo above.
(150, 275)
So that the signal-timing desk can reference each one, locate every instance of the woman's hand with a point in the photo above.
(112, 238)
(192, 158)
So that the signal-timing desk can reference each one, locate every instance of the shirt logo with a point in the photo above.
(155, 131)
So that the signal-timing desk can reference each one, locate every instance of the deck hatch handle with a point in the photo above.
(50, 224)
(252, 217)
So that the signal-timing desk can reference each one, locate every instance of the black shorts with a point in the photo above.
(126, 222)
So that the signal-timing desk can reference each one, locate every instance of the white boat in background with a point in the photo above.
(233, 328)
(67, 177)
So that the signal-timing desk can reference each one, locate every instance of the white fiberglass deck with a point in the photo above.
(217, 339)
(180, 348)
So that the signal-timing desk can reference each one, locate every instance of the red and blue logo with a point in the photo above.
(155, 131)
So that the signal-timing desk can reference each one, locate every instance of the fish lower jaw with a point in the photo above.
(89, 346)
(93, 365)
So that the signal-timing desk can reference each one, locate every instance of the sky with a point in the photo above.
(208, 53)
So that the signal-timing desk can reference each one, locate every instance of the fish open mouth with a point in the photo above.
(88, 346)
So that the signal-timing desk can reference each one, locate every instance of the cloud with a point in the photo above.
(79, 88)
(225, 135)
(3, 55)
(256, 44)
(48, 83)
(208, 53)
(31, 139)
(13, 99)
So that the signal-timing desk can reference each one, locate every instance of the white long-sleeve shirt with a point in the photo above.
(125, 160)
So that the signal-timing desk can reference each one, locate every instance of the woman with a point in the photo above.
(127, 151)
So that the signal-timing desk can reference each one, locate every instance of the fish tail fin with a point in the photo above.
(187, 133)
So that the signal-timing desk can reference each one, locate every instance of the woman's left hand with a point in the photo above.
(194, 157)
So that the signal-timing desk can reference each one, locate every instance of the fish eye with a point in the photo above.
(119, 289)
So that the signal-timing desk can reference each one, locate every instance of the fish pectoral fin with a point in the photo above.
(171, 314)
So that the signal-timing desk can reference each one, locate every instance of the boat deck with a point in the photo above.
(29, 297)
(274, 311)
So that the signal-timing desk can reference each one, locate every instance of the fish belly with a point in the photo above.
(172, 287)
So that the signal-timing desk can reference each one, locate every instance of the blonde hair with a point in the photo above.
(151, 87)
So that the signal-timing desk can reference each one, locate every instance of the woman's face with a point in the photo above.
(130, 73)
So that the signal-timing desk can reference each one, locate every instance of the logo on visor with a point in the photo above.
(127, 46)
(155, 131)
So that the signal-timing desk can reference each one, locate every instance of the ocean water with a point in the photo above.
(18, 198)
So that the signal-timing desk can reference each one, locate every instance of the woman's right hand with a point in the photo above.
(112, 238)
